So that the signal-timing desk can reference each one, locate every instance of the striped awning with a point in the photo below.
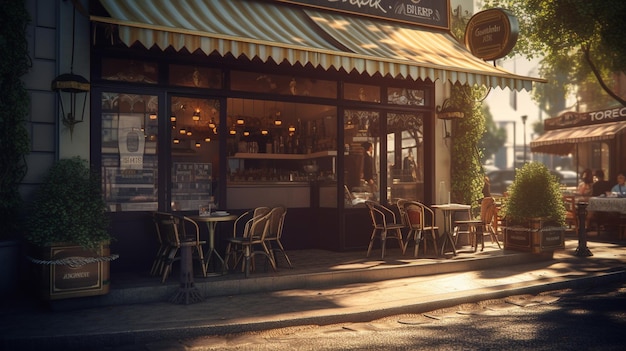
(564, 141)
(281, 33)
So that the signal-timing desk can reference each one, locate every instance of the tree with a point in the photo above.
(582, 37)
(494, 137)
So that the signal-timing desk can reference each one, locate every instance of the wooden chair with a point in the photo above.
(419, 219)
(158, 264)
(174, 230)
(241, 227)
(252, 242)
(479, 227)
(277, 222)
(571, 216)
(386, 226)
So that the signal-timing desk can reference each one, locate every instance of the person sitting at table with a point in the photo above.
(584, 188)
(620, 187)
(601, 186)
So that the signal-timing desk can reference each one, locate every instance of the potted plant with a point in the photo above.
(14, 138)
(68, 228)
(534, 211)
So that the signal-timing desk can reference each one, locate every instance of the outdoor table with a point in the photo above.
(447, 210)
(607, 204)
(211, 221)
(187, 292)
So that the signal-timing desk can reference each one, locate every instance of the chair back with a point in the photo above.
(381, 215)
(276, 222)
(258, 226)
(167, 225)
(488, 210)
(419, 215)
(570, 203)
(402, 211)
(173, 228)
(241, 226)
(414, 214)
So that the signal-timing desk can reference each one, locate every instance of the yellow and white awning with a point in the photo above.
(304, 36)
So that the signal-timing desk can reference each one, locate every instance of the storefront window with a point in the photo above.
(404, 96)
(130, 71)
(282, 85)
(360, 92)
(195, 77)
(361, 156)
(405, 156)
(129, 151)
(194, 151)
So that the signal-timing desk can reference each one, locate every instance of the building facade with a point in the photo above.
(250, 103)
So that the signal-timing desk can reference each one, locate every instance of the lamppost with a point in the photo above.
(524, 118)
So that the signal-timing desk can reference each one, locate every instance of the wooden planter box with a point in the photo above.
(537, 237)
(78, 273)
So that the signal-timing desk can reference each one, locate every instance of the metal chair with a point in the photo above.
(173, 229)
(385, 226)
(419, 219)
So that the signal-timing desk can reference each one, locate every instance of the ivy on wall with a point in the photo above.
(467, 178)
(14, 108)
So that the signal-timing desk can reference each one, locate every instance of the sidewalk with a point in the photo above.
(28, 327)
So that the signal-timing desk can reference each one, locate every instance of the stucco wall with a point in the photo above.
(50, 41)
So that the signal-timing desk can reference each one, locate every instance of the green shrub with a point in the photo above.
(69, 207)
(534, 193)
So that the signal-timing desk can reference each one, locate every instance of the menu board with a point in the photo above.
(191, 185)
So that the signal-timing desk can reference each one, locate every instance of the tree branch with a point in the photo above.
(586, 51)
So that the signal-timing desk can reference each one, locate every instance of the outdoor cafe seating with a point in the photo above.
(174, 233)
(385, 226)
(479, 227)
(419, 219)
(275, 233)
(251, 241)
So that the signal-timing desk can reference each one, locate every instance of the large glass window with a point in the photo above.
(405, 157)
(129, 151)
(194, 151)
(361, 156)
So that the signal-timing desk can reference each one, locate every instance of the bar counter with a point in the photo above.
(296, 194)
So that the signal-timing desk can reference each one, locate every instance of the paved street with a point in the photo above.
(568, 319)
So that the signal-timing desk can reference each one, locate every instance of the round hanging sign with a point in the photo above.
(491, 34)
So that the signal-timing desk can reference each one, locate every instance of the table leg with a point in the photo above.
(187, 292)
(447, 236)
(211, 226)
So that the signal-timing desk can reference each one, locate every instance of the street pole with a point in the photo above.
(524, 118)
(582, 250)
(514, 141)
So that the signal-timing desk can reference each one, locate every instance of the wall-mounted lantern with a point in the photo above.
(72, 87)
(447, 112)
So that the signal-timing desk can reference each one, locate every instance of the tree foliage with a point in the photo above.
(581, 42)
(466, 174)
(494, 137)
(14, 107)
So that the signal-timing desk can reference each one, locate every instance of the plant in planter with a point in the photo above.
(68, 225)
(534, 211)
